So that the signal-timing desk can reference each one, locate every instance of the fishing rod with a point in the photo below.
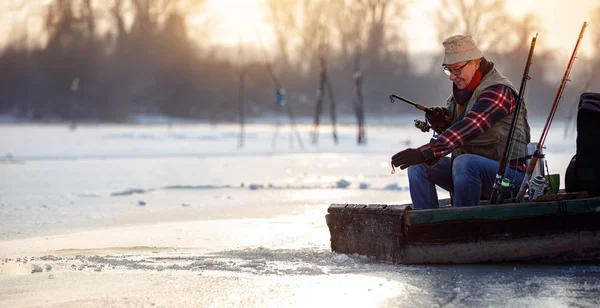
(422, 125)
(539, 146)
(418, 106)
(502, 185)
(572, 112)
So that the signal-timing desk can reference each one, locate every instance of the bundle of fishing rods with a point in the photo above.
(503, 187)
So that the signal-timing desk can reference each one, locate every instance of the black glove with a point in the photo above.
(439, 118)
(407, 158)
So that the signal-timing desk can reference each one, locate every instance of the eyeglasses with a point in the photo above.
(455, 70)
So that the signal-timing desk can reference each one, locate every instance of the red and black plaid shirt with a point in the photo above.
(493, 104)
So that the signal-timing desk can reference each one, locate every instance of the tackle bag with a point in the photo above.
(583, 172)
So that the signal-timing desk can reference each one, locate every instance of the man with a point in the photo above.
(473, 127)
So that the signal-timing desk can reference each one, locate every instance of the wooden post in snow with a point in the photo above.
(358, 102)
(241, 106)
(324, 87)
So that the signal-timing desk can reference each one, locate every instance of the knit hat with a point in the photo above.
(460, 48)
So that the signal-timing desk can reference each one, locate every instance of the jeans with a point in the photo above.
(473, 178)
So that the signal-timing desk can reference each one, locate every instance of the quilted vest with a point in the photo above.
(492, 142)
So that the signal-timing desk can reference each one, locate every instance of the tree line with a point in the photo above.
(145, 62)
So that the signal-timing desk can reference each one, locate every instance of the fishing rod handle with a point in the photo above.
(496, 188)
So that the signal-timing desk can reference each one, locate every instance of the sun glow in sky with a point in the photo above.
(239, 21)
(231, 22)
(561, 22)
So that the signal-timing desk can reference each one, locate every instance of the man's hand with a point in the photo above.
(407, 158)
(439, 119)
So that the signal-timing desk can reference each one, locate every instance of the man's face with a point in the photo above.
(461, 73)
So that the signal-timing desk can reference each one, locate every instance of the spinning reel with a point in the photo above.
(423, 125)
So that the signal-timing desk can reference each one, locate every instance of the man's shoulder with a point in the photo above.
(495, 76)
(499, 88)
(496, 81)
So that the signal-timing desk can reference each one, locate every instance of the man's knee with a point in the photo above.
(463, 162)
(416, 171)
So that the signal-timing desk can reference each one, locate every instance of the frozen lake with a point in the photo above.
(145, 215)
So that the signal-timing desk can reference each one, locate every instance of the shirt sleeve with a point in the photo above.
(493, 104)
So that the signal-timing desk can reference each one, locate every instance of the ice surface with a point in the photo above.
(223, 226)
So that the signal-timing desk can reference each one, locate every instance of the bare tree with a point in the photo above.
(149, 14)
(486, 20)
(358, 102)
(283, 16)
(352, 31)
(383, 21)
(350, 25)
(369, 32)
(314, 32)
(522, 31)
(62, 25)
(325, 88)
(119, 20)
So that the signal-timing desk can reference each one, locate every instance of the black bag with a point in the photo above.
(583, 172)
(571, 176)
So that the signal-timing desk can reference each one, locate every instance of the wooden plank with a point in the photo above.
(577, 246)
(502, 211)
(478, 230)
(371, 209)
(563, 196)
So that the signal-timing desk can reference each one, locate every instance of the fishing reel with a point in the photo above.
(423, 125)
(505, 190)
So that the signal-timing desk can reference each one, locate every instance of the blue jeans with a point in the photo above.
(473, 178)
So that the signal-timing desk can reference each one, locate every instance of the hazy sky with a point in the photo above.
(233, 21)
(561, 22)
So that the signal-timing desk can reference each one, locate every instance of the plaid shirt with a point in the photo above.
(493, 104)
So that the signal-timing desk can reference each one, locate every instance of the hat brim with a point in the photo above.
(472, 54)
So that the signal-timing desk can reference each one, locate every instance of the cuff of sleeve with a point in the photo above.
(427, 151)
